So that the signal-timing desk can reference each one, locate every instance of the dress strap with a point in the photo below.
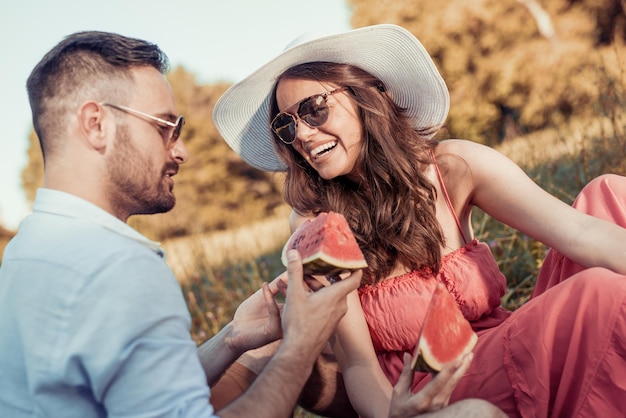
(446, 196)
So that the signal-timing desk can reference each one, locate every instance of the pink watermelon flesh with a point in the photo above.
(326, 245)
(445, 335)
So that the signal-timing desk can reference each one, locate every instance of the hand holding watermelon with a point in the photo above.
(446, 335)
(327, 246)
(434, 396)
(309, 318)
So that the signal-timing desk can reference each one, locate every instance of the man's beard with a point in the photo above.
(136, 187)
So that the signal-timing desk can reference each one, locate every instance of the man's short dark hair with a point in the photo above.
(85, 63)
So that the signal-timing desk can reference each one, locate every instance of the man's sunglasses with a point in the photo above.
(171, 129)
(313, 111)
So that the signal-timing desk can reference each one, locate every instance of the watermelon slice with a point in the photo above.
(445, 336)
(326, 245)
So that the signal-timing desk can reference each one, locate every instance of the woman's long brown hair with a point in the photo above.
(392, 209)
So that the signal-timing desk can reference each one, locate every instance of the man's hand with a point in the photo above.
(309, 318)
(257, 320)
(433, 397)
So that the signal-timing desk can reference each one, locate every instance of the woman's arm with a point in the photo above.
(504, 191)
(368, 388)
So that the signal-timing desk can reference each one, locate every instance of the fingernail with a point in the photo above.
(292, 255)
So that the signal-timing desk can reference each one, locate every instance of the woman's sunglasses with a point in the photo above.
(313, 111)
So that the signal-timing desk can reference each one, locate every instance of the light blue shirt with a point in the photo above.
(92, 321)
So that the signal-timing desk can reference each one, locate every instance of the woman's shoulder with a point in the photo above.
(466, 154)
(466, 166)
(454, 158)
(460, 147)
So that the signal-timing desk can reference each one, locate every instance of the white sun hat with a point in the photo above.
(388, 52)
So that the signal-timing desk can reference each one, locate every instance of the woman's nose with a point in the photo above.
(304, 132)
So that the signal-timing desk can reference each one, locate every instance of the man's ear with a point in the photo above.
(95, 124)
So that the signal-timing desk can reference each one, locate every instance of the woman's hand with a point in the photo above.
(433, 397)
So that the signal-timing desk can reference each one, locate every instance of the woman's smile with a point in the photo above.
(322, 150)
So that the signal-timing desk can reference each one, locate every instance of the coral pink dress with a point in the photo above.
(562, 354)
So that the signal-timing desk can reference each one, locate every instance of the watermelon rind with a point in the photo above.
(322, 262)
(426, 360)
(455, 332)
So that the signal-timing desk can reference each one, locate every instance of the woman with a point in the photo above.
(351, 118)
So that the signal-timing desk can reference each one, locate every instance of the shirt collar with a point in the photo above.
(71, 206)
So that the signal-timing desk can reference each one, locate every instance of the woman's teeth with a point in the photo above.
(317, 152)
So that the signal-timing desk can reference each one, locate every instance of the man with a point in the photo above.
(92, 321)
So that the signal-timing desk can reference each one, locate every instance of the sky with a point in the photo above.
(216, 40)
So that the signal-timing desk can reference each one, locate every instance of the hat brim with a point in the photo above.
(388, 52)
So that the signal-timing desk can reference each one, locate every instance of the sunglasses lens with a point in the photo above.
(314, 110)
(284, 125)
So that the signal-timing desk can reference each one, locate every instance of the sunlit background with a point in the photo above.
(214, 39)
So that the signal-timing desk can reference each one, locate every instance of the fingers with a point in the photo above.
(282, 287)
(343, 287)
(315, 283)
(350, 280)
(406, 377)
(278, 283)
(441, 387)
(403, 403)
(434, 396)
(466, 362)
(451, 374)
(295, 274)
(270, 302)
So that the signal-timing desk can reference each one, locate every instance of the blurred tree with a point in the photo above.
(542, 18)
(505, 75)
(32, 174)
(608, 15)
(512, 66)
